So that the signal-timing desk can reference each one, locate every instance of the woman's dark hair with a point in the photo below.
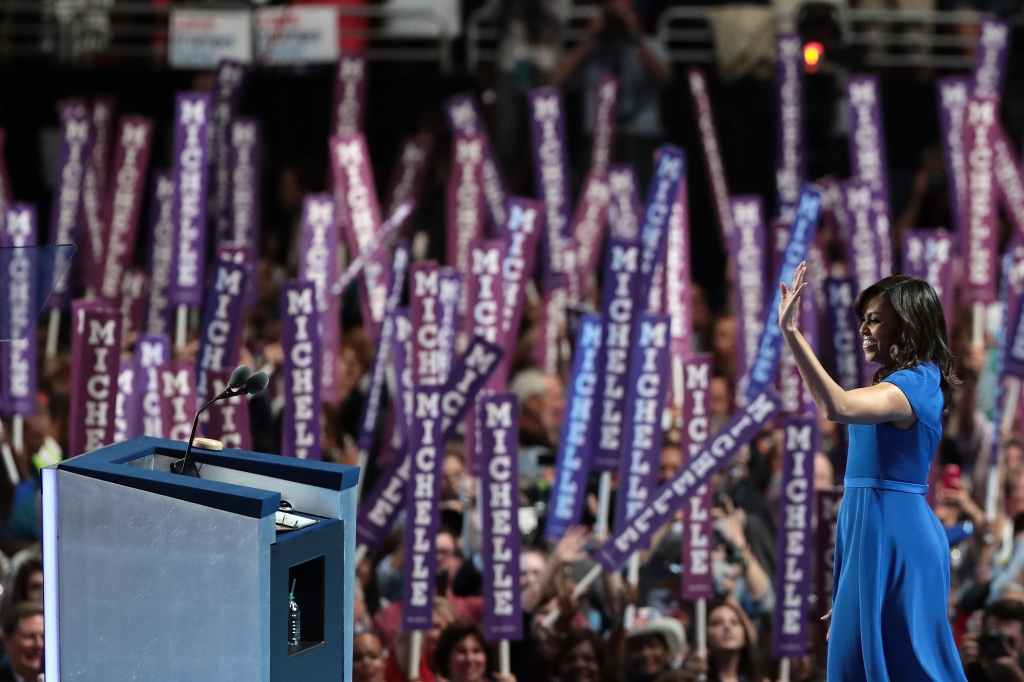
(451, 636)
(19, 586)
(748, 667)
(923, 327)
(577, 636)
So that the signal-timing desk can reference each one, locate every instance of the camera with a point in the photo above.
(992, 644)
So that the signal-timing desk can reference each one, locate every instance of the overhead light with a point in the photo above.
(813, 54)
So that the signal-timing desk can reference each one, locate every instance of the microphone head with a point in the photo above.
(239, 377)
(256, 383)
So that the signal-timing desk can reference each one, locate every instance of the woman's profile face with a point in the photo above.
(367, 659)
(880, 330)
(468, 661)
(580, 665)
(725, 631)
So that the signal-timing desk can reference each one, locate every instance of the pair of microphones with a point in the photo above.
(241, 382)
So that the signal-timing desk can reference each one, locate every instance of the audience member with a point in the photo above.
(23, 642)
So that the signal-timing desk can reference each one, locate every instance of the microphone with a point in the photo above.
(241, 382)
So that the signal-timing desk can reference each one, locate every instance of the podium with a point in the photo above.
(166, 578)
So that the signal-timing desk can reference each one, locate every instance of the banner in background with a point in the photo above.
(698, 530)
(127, 408)
(953, 94)
(862, 244)
(674, 494)
(424, 313)
(664, 189)
(244, 225)
(151, 350)
(1009, 181)
(318, 263)
(349, 107)
(228, 81)
(410, 172)
(789, 83)
(800, 237)
(201, 38)
(867, 155)
(222, 325)
(746, 252)
(401, 353)
(448, 297)
(95, 363)
(845, 362)
(161, 254)
(229, 418)
(18, 364)
(990, 58)
(464, 117)
(677, 274)
(72, 158)
(621, 287)
(124, 203)
(623, 202)
(92, 243)
(712, 152)
(177, 380)
(928, 254)
(499, 490)
(134, 292)
(605, 113)
(241, 254)
(525, 224)
(190, 171)
(980, 219)
(828, 503)
(551, 171)
(572, 461)
(422, 516)
(464, 207)
(297, 34)
(796, 539)
(645, 397)
(300, 426)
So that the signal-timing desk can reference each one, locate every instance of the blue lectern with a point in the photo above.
(159, 577)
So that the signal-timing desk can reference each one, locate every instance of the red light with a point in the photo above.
(813, 52)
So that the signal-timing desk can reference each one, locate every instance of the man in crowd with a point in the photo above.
(995, 652)
(23, 641)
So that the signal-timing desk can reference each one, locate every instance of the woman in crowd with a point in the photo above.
(892, 562)
(731, 654)
(462, 655)
(367, 658)
(583, 658)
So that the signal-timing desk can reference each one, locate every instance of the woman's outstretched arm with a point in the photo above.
(876, 404)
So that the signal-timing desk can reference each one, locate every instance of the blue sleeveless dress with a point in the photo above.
(892, 557)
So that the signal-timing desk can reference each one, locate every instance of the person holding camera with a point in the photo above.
(993, 654)
(615, 43)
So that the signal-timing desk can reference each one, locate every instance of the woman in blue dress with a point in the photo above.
(892, 557)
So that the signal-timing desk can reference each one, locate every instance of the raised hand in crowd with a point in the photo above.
(569, 550)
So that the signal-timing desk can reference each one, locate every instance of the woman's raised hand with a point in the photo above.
(788, 306)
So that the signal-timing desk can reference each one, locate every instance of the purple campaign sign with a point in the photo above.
(127, 407)
(928, 254)
(381, 506)
(95, 363)
(18, 371)
(646, 389)
(1009, 182)
(401, 353)
(868, 157)
(371, 405)
(499, 490)
(623, 202)
(800, 237)
(411, 171)
(318, 263)
(551, 169)
(746, 251)
(677, 274)
(862, 244)
(222, 324)
(552, 323)
(93, 241)
(229, 419)
(448, 297)
(712, 151)
(1013, 363)
(177, 380)
(789, 83)
(572, 462)
(124, 202)
(990, 58)
(422, 514)
(301, 344)
(241, 254)
(244, 196)
(151, 350)
(72, 159)
(228, 82)
(604, 125)
(161, 253)
(661, 195)
(464, 217)
(525, 224)
(588, 224)
(843, 344)
(621, 289)
(828, 503)
(469, 375)
(671, 497)
(424, 313)
(463, 117)
(190, 172)
(134, 292)
(796, 540)
(698, 580)
(980, 214)
(349, 95)
(953, 93)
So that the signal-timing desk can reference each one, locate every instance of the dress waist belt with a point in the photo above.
(883, 484)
